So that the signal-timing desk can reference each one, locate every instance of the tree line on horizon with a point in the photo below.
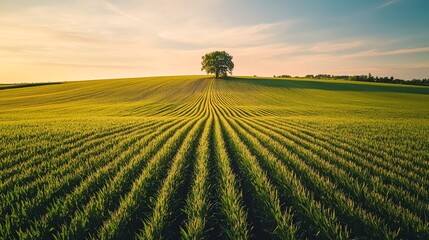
(364, 78)
(220, 63)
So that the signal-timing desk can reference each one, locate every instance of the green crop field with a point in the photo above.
(195, 157)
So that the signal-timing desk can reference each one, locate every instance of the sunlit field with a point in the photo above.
(195, 157)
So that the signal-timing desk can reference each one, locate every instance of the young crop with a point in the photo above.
(193, 157)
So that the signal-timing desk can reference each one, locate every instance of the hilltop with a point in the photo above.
(197, 157)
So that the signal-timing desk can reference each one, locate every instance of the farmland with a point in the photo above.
(195, 157)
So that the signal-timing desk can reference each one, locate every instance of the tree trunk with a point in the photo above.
(217, 74)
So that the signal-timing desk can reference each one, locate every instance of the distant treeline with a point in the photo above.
(365, 78)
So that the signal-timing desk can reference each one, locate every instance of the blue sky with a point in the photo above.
(47, 40)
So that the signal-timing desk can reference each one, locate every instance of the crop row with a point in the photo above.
(209, 166)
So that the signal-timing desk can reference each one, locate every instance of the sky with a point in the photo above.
(59, 40)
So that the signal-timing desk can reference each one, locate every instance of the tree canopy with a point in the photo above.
(218, 63)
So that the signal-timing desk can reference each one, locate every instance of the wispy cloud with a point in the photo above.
(388, 3)
(114, 8)
(378, 53)
(84, 65)
(226, 36)
(337, 46)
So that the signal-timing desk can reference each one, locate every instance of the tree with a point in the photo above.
(217, 62)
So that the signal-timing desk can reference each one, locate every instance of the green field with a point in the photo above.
(194, 157)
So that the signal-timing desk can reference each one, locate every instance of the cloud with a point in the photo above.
(225, 36)
(114, 8)
(87, 65)
(377, 53)
(406, 51)
(337, 46)
(388, 3)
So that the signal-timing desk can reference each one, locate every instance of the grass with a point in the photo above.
(194, 157)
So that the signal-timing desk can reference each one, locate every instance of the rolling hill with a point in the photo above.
(197, 157)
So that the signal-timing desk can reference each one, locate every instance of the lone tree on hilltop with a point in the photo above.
(217, 62)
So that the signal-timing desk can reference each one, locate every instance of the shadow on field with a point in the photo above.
(331, 86)
(24, 85)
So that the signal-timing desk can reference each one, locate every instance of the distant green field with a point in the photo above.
(194, 157)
